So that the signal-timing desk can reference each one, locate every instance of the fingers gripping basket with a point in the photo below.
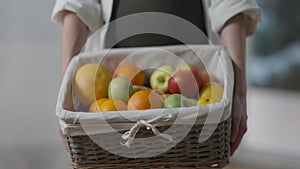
(196, 137)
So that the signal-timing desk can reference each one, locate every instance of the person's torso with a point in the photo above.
(191, 10)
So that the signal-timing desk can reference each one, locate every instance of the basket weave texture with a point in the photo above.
(189, 153)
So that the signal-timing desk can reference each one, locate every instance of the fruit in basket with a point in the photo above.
(166, 95)
(173, 101)
(183, 82)
(178, 100)
(197, 72)
(158, 91)
(212, 89)
(120, 88)
(95, 107)
(203, 101)
(137, 88)
(91, 83)
(132, 72)
(206, 77)
(113, 105)
(160, 77)
(210, 93)
(145, 99)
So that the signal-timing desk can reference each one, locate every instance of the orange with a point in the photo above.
(145, 99)
(166, 95)
(113, 105)
(95, 107)
(132, 72)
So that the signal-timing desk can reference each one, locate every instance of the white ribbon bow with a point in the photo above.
(130, 135)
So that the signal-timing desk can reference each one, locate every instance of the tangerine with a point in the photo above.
(95, 107)
(132, 72)
(113, 105)
(145, 99)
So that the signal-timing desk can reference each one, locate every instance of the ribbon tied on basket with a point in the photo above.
(129, 136)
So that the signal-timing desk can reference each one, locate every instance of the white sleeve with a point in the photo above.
(220, 11)
(89, 11)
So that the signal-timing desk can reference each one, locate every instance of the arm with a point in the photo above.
(234, 38)
(79, 19)
(74, 36)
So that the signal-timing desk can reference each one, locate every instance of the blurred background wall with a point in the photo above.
(29, 82)
(30, 78)
(275, 58)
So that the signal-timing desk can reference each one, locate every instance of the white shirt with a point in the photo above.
(96, 13)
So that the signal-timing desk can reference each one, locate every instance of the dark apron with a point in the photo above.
(190, 10)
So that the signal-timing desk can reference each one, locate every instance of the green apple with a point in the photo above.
(120, 88)
(160, 77)
(187, 102)
(178, 100)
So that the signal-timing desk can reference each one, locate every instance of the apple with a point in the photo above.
(206, 77)
(197, 72)
(187, 102)
(173, 101)
(160, 77)
(183, 82)
(120, 88)
(212, 89)
(178, 100)
(210, 93)
(203, 101)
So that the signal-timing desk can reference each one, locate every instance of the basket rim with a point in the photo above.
(69, 118)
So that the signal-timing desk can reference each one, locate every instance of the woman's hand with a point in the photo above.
(239, 121)
(64, 139)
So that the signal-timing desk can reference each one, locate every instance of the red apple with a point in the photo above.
(207, 77)
(197, 72)
(183, 82)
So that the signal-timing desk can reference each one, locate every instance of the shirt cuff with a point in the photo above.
(89, 11)
(224, 11)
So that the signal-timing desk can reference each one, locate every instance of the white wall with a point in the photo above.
(29, 82)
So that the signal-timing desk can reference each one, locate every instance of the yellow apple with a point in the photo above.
(210, 93)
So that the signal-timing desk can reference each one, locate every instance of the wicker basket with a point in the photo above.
(214, 153)
(188, 153)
